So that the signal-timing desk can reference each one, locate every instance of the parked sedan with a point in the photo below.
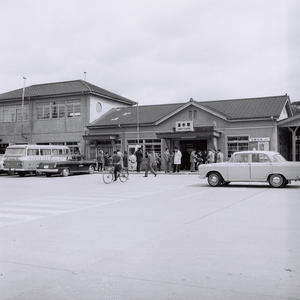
(252, 166)
(64, 168)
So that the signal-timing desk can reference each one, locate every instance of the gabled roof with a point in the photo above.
(63, 88)
(231, 110)
(249, 108)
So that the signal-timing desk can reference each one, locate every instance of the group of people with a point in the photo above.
(204, 157)
(170, 161)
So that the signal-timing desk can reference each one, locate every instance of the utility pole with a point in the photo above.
(138, 123)
(23, 96)
(84, 76)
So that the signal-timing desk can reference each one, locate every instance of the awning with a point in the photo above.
(101, 137)
(197, 133)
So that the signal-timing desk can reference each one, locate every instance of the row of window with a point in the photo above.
(13, 113)
(44, 111)
(53, 110)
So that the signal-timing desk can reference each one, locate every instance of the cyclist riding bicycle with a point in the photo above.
(116, 161)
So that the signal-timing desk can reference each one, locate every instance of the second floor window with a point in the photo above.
(13, 113)
(54, 110)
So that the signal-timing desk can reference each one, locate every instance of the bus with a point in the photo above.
(24, 159)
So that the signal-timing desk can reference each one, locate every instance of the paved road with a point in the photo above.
(169, 237)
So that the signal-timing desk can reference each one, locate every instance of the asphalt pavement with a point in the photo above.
(164, 237)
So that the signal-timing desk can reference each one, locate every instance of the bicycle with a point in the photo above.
(108, 177)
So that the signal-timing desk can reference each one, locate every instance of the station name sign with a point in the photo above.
(184, 126)
(259, 139)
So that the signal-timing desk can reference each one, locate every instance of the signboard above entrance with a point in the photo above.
(259, 139)
(184, 126)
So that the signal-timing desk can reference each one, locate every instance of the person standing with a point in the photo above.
(177, 159)
(100, 160)
(125, 160)
(193, 161)
(220, 156)
(166, 160)
(132, 162)
(116, 161)
(139, 158)
(149, 164)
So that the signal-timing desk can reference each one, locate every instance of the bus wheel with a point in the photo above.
(22, 174)
(65, 172)
(48, 175)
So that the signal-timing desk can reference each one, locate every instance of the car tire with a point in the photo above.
(277, 181)
(65, 172)
(91, 169)
(214, 179)
(48, 175)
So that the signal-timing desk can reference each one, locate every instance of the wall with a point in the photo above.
(106, 105)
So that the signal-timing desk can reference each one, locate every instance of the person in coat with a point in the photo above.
(177, 159)
(139, 158)
(132, 162)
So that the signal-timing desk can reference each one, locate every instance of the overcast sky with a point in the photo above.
(155, 51)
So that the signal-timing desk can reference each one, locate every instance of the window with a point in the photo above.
(237, 143)
(33, 152)
(13, 113)
(193, 114)
(25, 113)
(45, 151)
(73, 109)
(240, 158)
(260, 158)
(43, 111)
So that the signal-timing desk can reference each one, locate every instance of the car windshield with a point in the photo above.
(15, 151)
(278, 158)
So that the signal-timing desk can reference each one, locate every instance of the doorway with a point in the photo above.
(186, 147)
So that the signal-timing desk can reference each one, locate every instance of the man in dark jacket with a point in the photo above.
(149, 164)
(139, 158)
(116, 161)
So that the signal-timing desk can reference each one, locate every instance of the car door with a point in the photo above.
(239, 168)
(260, 167)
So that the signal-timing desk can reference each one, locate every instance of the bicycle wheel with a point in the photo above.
(123, 175)
(108, 177)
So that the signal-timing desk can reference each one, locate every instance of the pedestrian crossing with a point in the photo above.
(12, 211)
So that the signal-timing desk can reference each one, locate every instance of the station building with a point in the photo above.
(228, 125)
(88, 118)
(54, 113)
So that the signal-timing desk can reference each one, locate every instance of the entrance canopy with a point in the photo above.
(198, 132)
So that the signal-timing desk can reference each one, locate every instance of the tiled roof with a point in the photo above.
(235, 109)
(248, 108)
(148, 114)
(63, 88)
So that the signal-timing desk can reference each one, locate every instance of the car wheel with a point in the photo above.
(65, 172)
(277, 181)
(91, 169)
(48, 175)
(22, 174)
(214, 179)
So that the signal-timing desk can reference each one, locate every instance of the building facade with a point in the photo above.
(88, 118)
(228, 125)
(54, 113)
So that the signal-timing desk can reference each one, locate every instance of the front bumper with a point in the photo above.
(51, 171)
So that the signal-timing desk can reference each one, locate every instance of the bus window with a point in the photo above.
(45, 151)
(15, 151)
(33, 152)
